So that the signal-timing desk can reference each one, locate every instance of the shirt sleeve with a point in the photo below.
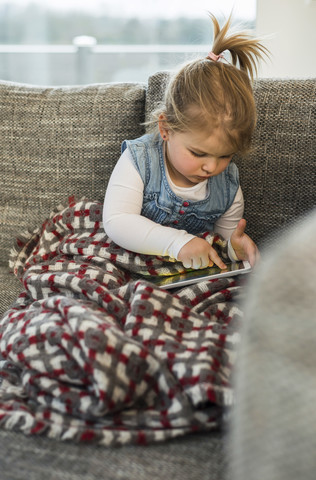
(122, 219)
(227, 223)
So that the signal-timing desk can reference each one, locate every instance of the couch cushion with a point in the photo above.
(196, 456)
(278, 177)
(57, 142)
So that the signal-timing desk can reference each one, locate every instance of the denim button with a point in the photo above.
(185, 204)
(182, 212)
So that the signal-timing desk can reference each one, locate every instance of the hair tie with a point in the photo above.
(215, 57)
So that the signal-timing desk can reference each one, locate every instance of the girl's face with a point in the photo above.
(194, 156)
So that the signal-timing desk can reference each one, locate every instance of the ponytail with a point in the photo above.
(245, 50)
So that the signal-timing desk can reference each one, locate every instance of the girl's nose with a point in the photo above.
(210, 165)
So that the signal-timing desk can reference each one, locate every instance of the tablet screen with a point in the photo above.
(194, 276)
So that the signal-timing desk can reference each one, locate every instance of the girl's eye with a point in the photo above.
(199, 155)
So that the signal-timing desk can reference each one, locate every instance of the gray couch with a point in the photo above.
(59, 142)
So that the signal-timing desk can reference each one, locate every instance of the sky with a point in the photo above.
(152, 8)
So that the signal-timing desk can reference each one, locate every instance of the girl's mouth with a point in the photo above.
(204, 177)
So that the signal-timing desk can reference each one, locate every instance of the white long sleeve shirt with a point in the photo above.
(126, 226)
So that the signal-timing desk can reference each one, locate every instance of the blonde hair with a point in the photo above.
(207, 94)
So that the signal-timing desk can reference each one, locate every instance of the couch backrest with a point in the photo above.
(278, 177)
(64, 141)
(59, 142)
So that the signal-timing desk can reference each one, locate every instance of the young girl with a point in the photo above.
(173, 184)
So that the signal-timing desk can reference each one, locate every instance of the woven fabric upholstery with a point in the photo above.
(58, 142)
(10, 287)
(194, 457)
(278, 177)
(273, 428)
(157, 84)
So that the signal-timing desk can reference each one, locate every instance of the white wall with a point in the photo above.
(291, 24)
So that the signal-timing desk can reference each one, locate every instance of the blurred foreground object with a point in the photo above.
(274, 422)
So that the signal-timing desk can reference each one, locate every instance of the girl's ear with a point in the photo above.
(163, 127)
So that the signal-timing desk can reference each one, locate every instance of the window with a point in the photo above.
(60, 42)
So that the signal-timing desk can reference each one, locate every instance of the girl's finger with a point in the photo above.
(216, 259)
(241, 227)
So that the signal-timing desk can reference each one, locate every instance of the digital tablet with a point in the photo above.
(194, 276)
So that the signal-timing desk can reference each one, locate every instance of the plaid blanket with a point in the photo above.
(92, 351)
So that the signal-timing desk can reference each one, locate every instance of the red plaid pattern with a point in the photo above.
(93, 354)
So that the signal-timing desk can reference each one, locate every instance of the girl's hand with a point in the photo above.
(198, 253)
(244, 247)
